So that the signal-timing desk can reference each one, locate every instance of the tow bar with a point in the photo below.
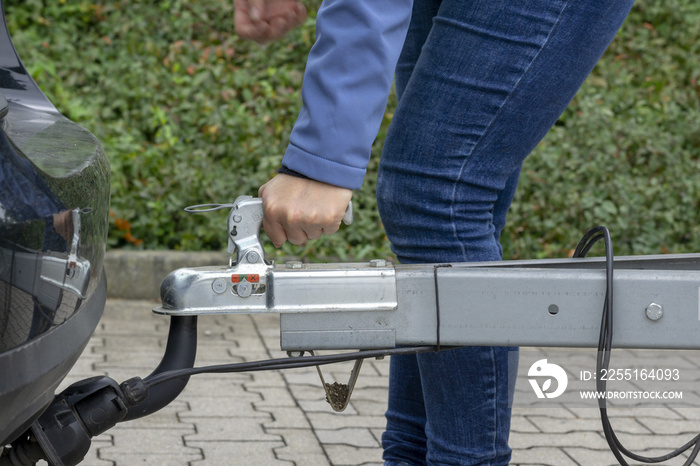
(379, 309)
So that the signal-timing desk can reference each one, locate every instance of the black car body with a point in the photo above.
(54, 210)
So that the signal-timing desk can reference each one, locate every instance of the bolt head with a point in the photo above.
(377, 263)
(219, 285)
(654, 311)
(252, 257)
(293, 264)
(244, 289)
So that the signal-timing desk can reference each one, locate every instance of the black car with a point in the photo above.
(54, 210)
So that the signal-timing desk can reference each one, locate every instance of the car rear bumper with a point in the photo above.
(38, 366)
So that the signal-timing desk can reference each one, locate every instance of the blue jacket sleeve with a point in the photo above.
(347, 80)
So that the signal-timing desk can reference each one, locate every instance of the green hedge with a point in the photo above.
(190, 114)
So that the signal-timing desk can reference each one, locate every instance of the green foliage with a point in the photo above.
(189, 113)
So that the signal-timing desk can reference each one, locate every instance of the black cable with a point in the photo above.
(437, 304)
(282, 363)
(603, 358)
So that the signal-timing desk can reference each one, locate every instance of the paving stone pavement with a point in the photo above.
(281, 417)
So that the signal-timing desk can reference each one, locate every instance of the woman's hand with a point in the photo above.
(63, 224)
(299, 209)
(266, 20)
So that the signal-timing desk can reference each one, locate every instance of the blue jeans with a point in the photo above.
(479, 85)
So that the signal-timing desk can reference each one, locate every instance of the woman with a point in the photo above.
(479, 84)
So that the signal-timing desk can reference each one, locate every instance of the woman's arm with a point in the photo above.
(347, 81)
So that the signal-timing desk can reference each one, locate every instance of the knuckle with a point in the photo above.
(297, 241)
(296, 217)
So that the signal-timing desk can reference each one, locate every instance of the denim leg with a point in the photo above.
(405, 438)
(421, 23)
(476, 95)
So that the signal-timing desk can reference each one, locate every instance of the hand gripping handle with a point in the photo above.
(244, 223)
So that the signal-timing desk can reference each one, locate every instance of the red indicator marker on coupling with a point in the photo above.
(250, 278)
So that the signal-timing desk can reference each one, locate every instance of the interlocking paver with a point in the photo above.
(640, 443)
(217, 354)
(570, 439)
(308, 377)
(330, 420)
(522, 424)
(555, 412)
(368, 407)
(605, 458)
(287, 418)
(228, 429)
(686, 412)
(167, 418)
(307, 392)
(317, 405)
(301, 447)
(205, 385)
(237, 453)
(127, 343)
(541, 456)
(133, 445)
(240, 404)
(677, 461)
(341, 455)
(586, 456)
(265, 379)
(377, 433)
(271, 397)
(658, 412)
(355, 437)
(175, 458)
(553, 425)
(379, 394)
(668, 427)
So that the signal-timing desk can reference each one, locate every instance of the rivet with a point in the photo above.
(219, 285)
(654, 311)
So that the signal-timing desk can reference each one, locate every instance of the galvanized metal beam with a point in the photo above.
(554, 302)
